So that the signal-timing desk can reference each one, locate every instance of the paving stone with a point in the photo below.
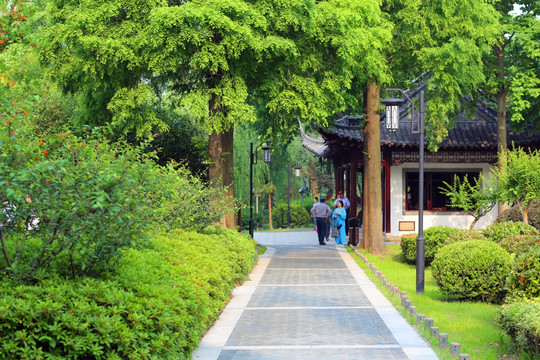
(312, 296)
(314, 354)
(307, 252)
(307, 263)
(302, 276)
(264, 327)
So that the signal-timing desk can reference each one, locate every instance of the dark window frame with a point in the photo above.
(434, 201)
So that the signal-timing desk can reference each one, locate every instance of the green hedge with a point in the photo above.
(464, 235)
(434, 238)
(521, 321)
(157, 305)
(299, 216)
(498, 231)
(475, 270)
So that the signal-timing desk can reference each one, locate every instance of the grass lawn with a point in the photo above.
(471, 324)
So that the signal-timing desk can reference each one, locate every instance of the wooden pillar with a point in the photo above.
(352, 195)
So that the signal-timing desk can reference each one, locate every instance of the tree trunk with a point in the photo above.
(372, 236)
(221, 168)
(502, 92)
(313, 179)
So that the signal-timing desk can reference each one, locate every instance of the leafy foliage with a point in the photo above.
(408, 247)
(524, 279)
(520, 319)
(299, 215)
(516, 244)
(477, 200)
(158, 304)
(518, 180)
(475, 270)
(498, 231)
(434, 238)
(514, 214)
(442, 42)
(464, 235)
(79, 202)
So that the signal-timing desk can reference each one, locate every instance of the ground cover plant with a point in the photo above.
(156, 305)
(472, 324)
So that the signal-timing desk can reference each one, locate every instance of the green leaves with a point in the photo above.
(518, 181)
(477, 199)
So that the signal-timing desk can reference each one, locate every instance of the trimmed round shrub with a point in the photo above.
(517, 244)
(514, 214)
(464, 235)
(524, 278)
(408, 247)
(498, 231)
(434, 238)
(299, 216)
(474, 270)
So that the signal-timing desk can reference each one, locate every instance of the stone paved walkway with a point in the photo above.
(308, 302)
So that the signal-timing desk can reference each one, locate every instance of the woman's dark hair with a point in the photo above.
(316, 198)
(342, 204)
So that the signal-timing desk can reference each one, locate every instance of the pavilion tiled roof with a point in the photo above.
(479, 133)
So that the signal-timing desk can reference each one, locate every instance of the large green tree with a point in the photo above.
(442, 43)
(287, 59)
(513, 73)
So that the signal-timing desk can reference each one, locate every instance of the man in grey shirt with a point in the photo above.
(321, 212)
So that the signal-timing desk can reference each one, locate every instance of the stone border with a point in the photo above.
(453, 347)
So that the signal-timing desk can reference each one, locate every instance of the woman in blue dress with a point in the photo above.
(338, 220)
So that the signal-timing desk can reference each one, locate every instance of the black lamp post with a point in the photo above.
(297, 174)
(392, 124)
(253, 161)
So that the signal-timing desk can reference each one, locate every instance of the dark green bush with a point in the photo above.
(517, 244)
(514, 214)
(498, 231)
(434, 238)
(408, 247)
(157, 305)
(520, 320)
(475, 270)
(464, 235)
(299, 216)
(524, 278)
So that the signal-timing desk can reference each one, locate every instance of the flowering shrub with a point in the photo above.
(74, 203)
(524, 278)
(519, 243)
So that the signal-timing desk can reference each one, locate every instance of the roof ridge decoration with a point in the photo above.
(317, 146)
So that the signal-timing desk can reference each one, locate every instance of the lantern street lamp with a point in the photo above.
(392, 124)
(253, 161)
(297, 174)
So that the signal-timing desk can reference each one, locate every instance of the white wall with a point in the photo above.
(459, 220)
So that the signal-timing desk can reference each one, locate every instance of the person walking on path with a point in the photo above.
(315, 202)
(339, 217)
(346, 206)
(321, 212)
